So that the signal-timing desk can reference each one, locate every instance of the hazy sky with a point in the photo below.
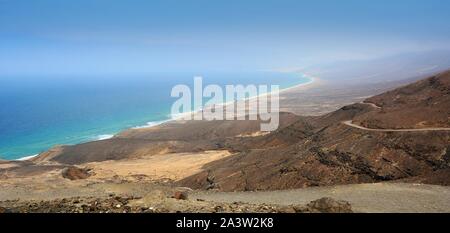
(44, 37)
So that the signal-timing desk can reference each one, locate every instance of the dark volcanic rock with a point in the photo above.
(74, 173)
(180, 195)
(3, 210)
(129, 204)
(329, 205)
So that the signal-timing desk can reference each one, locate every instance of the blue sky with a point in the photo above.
(44, 37)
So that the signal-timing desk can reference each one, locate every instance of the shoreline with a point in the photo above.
(151, 124)
(26, 158)
(312, 80)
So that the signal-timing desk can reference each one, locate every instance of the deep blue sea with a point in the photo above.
(37, 113)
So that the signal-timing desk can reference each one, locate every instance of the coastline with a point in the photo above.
(26, 158)
(312, 80)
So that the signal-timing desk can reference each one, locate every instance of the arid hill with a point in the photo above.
(419, 105)
(320, 151)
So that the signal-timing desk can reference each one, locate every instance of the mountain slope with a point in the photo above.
(304, 151)
(324, 151)
(422, 104)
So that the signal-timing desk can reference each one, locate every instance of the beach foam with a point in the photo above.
(104, 137)
(151, 124)
(27, 157)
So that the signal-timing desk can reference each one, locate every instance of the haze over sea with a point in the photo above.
(39, 113)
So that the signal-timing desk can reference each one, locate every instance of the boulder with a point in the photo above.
(75, 173)
(3, 210)
(179, 195)
(329, 205)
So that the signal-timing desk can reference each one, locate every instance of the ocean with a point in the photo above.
(37, 113)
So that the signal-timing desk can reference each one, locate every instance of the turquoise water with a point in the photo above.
(37, 113)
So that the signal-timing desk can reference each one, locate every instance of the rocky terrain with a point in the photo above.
(422, 104)
(158, 203)
(318, 151)
(384, 138)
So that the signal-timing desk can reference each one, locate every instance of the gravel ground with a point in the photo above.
(380, 197)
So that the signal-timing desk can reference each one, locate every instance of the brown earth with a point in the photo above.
(318, 151)
(423, 104)
(75, 173)
(235, 155)
(304, 151)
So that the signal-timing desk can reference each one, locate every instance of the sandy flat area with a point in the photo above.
(174, 166)
(132, 176)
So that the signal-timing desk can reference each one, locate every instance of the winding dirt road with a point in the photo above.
(372, 104)
(350, 123)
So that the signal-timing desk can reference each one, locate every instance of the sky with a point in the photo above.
(86, 37)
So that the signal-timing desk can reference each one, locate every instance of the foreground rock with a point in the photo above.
(179, 195)
(75, 173)
(329, 205)
(156, 202)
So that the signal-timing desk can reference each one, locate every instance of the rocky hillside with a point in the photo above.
(422, 104)
(319, 151)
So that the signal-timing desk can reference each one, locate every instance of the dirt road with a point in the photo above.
(349, 123)
(380, 197)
